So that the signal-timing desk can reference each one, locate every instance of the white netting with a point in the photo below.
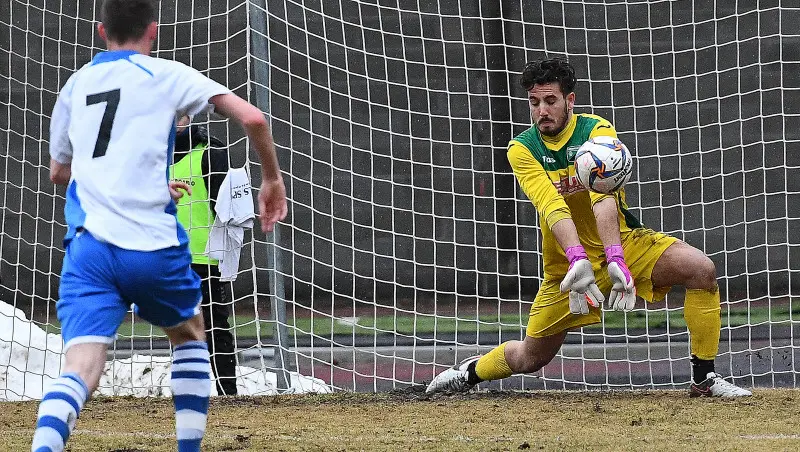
(408, 243)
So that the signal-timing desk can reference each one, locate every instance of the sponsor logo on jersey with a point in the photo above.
(568, 185)
(186, 181)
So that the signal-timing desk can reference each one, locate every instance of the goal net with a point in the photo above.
(409, 245)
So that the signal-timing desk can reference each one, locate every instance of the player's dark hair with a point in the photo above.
(127, 20)
(548, 71)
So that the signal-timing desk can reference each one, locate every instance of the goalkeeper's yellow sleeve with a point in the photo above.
(603, 128)
(537, 185)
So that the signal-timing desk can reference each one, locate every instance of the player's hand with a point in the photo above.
(579, 281)
(623, 290)
(175, 186)
(271, 203)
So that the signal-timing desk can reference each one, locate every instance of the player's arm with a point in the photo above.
(272, 194)
(623, 289)
(194, 93)
(606, 129)
(536, 184)
(60, 148)
(60, 173)
(605, 206)
(255, 126)
(606, 214)
(566, 233)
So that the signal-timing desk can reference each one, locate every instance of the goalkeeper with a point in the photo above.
(201, 161)
(591, 245)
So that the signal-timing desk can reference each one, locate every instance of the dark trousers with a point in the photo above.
(216, 310)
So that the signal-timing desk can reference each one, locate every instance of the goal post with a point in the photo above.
(411, 238)
(408, 244)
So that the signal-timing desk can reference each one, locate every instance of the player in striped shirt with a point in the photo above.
(111, 137)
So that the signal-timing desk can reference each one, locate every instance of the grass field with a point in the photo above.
(410, 421)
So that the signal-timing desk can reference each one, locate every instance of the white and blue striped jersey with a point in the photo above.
(114, 123)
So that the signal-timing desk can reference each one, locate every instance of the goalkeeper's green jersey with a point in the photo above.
(544, 167)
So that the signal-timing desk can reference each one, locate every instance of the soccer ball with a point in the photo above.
(603, 164)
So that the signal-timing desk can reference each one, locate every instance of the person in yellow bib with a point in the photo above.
(201, 162)
(591, 245)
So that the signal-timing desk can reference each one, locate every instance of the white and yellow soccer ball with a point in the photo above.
(603, 164)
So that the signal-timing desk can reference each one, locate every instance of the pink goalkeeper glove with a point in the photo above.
(623, 291)
(579, 281)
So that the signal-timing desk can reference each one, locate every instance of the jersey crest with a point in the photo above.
(572, 151)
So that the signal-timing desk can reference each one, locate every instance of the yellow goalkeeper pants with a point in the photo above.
(550, 310)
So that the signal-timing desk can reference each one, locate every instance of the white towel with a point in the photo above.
(234, 212)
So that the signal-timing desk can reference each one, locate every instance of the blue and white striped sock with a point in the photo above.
(191, 387)
(58, 412)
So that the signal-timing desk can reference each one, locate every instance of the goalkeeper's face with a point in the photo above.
(551, 110)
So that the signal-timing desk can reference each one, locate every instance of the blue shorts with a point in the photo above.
(100, 281)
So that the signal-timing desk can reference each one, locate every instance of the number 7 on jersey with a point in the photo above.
(111, 98)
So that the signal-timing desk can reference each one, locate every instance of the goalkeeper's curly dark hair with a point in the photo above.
(548, 71)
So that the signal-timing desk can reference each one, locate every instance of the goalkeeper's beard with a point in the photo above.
(563, 124)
